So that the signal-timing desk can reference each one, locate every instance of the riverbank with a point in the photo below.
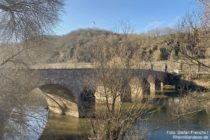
(202, 82)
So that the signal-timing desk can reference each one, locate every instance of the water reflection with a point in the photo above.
(160, 124)
(26, 124)
(152, 127)
(65, 128)
(26, 121)
(157, 125)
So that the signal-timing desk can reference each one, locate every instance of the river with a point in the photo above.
(158, 126)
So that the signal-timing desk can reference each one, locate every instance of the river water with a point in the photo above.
(158, 126)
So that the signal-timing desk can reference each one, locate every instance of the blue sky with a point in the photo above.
(142, 15)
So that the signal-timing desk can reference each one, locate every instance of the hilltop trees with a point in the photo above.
(188, 35)
(206, 12)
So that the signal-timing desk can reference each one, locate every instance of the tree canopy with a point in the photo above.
(24, 19)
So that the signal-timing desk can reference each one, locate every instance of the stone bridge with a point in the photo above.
(68, 88)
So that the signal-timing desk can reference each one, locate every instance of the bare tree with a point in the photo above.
(23, 19)
(14, 94)
(206, 12)
(190, 38)
(193, 35)
(21, 22)
(113, 118)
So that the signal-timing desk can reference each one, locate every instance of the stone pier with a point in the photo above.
(136, 89)
(152, 88)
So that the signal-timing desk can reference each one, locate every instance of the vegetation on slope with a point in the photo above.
(80, 45)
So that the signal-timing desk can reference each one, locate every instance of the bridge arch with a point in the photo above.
(60, 99)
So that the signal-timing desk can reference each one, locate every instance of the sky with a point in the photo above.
(142, 15)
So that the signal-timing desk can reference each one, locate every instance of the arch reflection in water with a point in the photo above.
(61, 127)
(27, 120)
(26, 124)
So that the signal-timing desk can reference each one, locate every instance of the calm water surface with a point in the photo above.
(157, 126)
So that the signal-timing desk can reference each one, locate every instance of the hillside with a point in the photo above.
(79, 46)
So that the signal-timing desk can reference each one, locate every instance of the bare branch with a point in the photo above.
(23, 19)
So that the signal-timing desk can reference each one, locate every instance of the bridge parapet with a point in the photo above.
(63, 66)
(170, 66)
